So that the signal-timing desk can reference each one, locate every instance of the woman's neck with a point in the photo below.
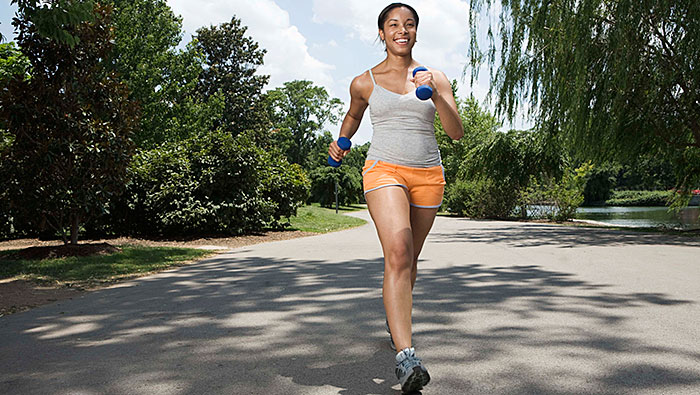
(396, 62)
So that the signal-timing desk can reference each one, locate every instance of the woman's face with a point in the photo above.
(399, 33)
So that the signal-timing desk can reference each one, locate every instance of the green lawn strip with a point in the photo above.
(318, 219)
(131, 261)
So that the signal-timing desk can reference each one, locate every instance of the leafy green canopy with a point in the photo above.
(12, 63)
(70, 124)
(299, 111)
(616, 78)
(54, 19)
(146, 34)
(231, 60)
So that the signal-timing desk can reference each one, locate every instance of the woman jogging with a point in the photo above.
(403, 178)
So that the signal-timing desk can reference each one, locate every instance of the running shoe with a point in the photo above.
(410, 371)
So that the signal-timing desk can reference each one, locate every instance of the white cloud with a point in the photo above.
(287, 56)
(443, 34)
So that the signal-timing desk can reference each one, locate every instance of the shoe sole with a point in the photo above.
(416, 381)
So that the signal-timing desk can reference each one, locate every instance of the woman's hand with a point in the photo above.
(335, 152)
(425, 78)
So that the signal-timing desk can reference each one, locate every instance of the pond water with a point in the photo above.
(687, 218)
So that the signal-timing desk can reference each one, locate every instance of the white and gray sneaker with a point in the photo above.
(410, 371)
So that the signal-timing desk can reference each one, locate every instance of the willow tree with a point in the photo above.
(616, 79)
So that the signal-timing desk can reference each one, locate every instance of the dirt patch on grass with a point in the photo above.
(17, 295)
(189, 242)
(20, 295)
(63, 251)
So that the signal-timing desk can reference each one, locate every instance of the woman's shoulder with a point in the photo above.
(362, 85)
(363, 80)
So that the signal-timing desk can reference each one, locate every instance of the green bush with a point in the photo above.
(215, 183)
(599, 185)
(323, 179)
(640, 198)
(555, 199)
(480, 198)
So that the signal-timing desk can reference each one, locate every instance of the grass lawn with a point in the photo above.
(96, 269)
(131, 261)
(315, 218)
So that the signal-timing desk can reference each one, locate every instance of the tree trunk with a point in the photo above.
(75, 221)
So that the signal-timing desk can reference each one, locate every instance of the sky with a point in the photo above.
(330, 42)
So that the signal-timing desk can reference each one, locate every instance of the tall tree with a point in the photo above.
(299, 111)
(161, 78)
(70, 124)
(12, 63)
(616, 78)
(231, 61)
(54, 19)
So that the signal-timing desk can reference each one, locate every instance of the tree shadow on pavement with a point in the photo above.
(241, 324)
(517, 234)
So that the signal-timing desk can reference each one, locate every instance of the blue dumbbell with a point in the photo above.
(344, 144)
(424, 92)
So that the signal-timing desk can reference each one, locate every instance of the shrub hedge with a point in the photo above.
(215, 183)
(639, 198)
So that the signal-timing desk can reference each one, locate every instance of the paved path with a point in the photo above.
(500, 308)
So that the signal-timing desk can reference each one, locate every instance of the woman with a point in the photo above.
(403, 178)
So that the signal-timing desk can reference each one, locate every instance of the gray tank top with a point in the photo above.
(404, 133)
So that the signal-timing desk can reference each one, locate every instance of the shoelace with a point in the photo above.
(405, 362)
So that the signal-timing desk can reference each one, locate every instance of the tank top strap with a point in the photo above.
(372, 77)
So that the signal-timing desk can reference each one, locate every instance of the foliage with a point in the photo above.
(556, 199)
(478, 125)
(600, 184)
(481, 197)
(70, 124)
(231, 60)
(615, 78)
(161, 78)
(348, 175)
(298, 111)
(495, 171)
(214, 183)
(12, 63)
(640, 198)
(323, 181)
(55, 19)
(645, 173)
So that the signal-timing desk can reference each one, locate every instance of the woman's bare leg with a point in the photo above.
(421, 221)
(402, 230)
(391, 212)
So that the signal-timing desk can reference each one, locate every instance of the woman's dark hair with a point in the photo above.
(385, 13)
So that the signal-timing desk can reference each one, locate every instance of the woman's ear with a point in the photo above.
(381, 35)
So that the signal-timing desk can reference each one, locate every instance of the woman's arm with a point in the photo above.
(444, 101)
(360, 90)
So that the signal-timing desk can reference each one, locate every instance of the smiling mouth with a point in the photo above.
(402, 41)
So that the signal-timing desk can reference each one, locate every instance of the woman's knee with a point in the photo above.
(399, 256)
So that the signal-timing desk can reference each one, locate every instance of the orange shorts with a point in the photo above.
(425, 185)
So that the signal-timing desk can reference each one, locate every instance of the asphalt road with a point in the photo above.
(500, 308)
